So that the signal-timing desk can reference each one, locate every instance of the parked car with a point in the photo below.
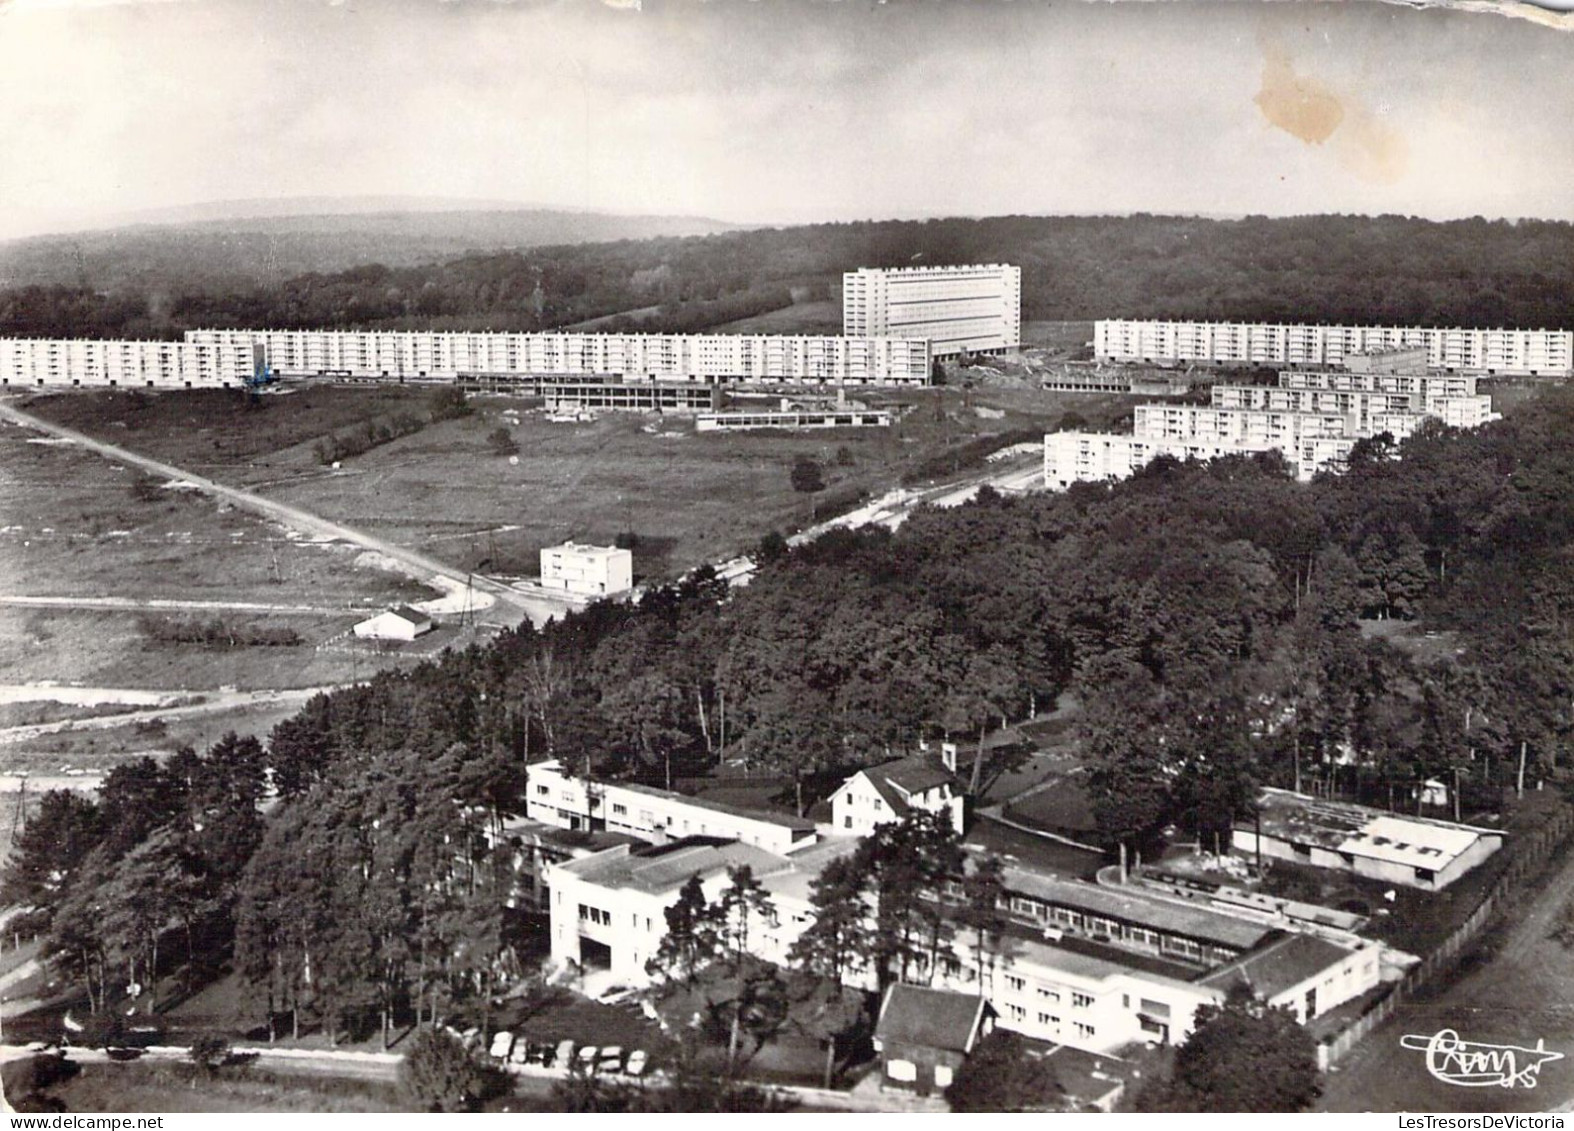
(611, 1059)
(588, 1056)
(502, 1044)
(564, 1054)
(521, 1053)
(548, 1055)
(636, 1063)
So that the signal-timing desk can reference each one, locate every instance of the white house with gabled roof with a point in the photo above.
(884, 794)
(401, 623)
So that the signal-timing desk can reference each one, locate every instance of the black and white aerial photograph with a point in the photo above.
(786, 556)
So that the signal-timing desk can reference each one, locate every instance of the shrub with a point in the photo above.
(501, 441)
(440, 1074)
(448, 403)
(806, 476)
(209, 1051)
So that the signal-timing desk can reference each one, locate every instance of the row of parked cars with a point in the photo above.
(566, 1055)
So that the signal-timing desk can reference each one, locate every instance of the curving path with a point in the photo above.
(539, 606)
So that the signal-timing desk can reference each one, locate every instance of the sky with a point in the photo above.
(783, 111)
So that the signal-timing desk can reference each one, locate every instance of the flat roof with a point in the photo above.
(1082, 963)
(586, 549)
(765, 816)
(657, 870)
(806, 868)
(1130, 905)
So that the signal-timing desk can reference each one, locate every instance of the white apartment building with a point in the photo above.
(587, 571)
(440, 355)
(1313, 417)
(105, 364)
(1095, 457)
(1500, 352)
(558, 798)
(972, 309)
(1428, 385)
(1249, 429)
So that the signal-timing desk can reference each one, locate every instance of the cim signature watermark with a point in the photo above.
(1471, 1064)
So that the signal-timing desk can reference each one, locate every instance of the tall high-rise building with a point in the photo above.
(975, 309)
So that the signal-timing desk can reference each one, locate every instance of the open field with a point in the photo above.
(1062, 337)
(687, 498)
(90, 550)
(174, 1087)
(823, 317)
(100, 542)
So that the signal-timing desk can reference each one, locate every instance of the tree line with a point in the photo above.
(1342, 269)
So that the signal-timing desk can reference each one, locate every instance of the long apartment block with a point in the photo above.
(104, 364)
(1500, 352)
(971, 309)
(718, 358)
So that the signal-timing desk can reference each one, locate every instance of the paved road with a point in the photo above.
(538, 606)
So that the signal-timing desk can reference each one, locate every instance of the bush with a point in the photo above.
(448, 403)
(440, 1074)
(25, 1081)
(216, 633)
(966, 456)
(501, 441)
(209, 1051)
(806, 476)
(773, 547)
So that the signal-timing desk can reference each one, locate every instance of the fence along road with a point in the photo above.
(539, 606)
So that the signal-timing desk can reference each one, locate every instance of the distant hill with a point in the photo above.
(1389, 270)
(245, 243)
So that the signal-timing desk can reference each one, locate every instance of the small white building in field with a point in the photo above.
(402, 623)
(589, 571)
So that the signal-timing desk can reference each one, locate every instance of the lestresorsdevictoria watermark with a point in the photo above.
(1475, 1064)
(1481, 1122)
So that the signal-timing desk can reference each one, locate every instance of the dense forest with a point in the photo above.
(1385, 269)
(1214, 620)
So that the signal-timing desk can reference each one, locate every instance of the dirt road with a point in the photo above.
(538, 606)
(164, 605)
(1522, 994)
(217, 701)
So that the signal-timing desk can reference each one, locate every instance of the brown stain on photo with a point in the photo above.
(1309, 109)
(1297, 104)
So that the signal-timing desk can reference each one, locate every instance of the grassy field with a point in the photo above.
(1061, 337)
(78, 528)
(160, 1087)
(688, 498)
(823, 317)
